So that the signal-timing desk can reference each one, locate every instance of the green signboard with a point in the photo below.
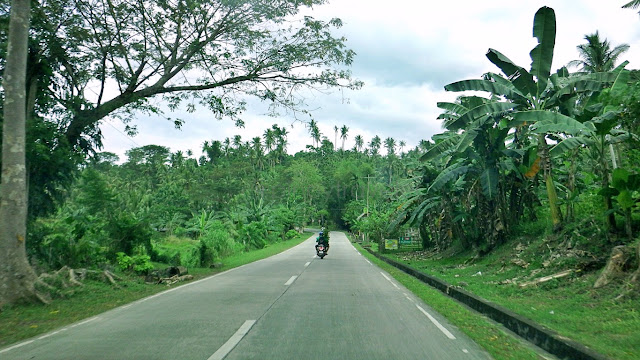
(391, 244)
(405, 240)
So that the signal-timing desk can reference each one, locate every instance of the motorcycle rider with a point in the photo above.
(323, 238)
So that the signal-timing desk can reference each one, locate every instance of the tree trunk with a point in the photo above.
(556, 213)
(620, 255)
(17, 278)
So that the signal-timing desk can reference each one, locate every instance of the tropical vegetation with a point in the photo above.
(522, 148)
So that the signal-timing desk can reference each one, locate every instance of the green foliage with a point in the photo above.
(140, 264)
(179, 251)
(254, 235)
(291, 234)
(127, 232)
(216, 243)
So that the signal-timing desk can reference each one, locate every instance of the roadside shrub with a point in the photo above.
(179, 251)
(216, 242)
(291, 234)
(69, 240)
(254, 235)
(140, 264)
(127, 232)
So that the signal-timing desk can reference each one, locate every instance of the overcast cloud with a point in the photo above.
(407, 51)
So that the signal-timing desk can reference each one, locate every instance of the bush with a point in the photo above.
(140, 264)
(254, 235)
(67, 240)
(216, 242)
(179, 251)
(291, 234)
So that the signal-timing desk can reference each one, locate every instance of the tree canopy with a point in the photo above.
(110, 58)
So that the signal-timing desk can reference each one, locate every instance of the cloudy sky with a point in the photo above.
(407, 50)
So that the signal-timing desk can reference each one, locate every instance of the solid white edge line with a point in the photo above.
(392, 283)
(437, 324)
(290, 281)
(17, 346)
(226, 348)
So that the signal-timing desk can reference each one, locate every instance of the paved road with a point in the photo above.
(290, 306)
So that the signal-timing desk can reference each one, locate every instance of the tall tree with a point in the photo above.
(374, 146)
(390, 145)
(315, 133)
(17, 278)
(344, 131)
(359, 143)
(597, 55)
(211, 52)
(335, 138)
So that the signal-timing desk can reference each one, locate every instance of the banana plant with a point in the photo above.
(534, 103)
(602, 134)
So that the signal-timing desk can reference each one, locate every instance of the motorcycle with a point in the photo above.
(322, 244)
(321, 251)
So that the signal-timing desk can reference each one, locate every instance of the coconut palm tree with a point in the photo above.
(281, 141)
(374, 145)
(315, 133)
(390, 145)
(597, 55)
(359, 143)
(343, 134)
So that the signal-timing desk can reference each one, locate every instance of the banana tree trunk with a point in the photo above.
(571, 186)
(556, 213)
(608, 202)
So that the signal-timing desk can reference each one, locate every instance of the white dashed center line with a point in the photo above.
(291, 280)
(233, 341)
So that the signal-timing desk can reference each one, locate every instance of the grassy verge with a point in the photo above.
(25, 321)
(569, 306)
(484, 332)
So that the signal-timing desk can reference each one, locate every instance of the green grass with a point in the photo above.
(484, 332)
(21, 322)
(569, 306)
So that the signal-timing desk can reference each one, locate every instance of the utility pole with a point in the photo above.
(367, 210)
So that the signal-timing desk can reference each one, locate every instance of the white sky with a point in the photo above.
(407, 52)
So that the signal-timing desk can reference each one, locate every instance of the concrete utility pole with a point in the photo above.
(367, 212)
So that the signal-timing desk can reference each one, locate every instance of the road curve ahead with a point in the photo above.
(291, 306)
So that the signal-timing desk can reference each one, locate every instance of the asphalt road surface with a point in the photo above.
(291, 306)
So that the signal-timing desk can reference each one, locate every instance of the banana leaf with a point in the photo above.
(482, 110)
(448, 174)
(521, 79)
(569, 144)
(559, 124)
(544, 29)
(486, 86)
(550, 119)
(440, 148)
(452, 107)
(489, 182)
